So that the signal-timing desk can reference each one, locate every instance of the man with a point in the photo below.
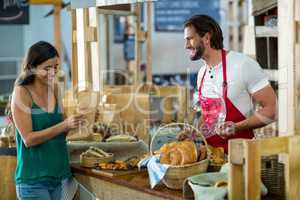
(228, 80)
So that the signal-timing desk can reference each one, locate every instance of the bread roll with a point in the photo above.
(179, 153)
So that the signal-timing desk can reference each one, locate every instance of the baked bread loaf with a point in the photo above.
(179, 153)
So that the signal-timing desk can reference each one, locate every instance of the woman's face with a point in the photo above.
(46, 71)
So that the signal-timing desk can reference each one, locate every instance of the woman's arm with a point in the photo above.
(21, 111)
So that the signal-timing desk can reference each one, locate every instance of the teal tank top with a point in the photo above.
(47, 161)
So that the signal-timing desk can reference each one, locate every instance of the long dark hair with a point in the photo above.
(205, 24)
(36, 54)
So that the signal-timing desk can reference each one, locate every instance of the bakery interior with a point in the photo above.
(124, 68)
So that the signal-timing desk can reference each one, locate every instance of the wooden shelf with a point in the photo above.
(266, 31)
(272, 74)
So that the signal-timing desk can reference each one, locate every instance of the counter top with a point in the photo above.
(137, 181)
(5, 151)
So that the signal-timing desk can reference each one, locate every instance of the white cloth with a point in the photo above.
(244, 77)
(156, 170)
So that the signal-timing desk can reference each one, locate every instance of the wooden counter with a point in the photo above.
(132, 186)
(7, 173)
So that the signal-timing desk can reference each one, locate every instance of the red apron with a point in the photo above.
(210, 112)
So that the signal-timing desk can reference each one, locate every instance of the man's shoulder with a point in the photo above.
(241, 59)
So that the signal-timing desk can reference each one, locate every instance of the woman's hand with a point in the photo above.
(74, 121)
(226, 129)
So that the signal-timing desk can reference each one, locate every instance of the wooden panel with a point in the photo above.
(133, 184)
(134, 113)
(274, 145)
(252, 169)
(7, 175)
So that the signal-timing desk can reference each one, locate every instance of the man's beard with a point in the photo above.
(199, 53)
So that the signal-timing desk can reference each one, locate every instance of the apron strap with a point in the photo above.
(201, 83)
(224, 73)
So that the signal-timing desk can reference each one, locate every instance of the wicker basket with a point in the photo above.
(272, 175)
(175, 176)
(91, 162)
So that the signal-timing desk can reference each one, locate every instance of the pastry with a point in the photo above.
(221, 184)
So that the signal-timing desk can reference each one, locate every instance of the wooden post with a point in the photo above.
(138, 47)
(252, 169)
(74, 70)
(149, 42)
(287, 81)
(87, 51)
(235, 29)
(236, 178)
(57, 29)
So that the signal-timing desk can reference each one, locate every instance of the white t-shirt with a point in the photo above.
(244, 77)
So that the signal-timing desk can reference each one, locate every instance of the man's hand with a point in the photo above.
(226, 129)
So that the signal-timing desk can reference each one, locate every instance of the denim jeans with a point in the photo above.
(39, 191)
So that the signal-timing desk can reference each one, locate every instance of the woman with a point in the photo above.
(42, 157)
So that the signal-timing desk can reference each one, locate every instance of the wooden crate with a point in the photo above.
(245, 166)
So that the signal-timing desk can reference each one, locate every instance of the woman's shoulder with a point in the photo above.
(22, 94)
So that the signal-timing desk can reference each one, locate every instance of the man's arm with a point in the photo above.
(267, 99)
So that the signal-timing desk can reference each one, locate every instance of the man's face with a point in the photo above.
(194, 43)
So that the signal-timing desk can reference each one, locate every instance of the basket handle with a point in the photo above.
(198, 133)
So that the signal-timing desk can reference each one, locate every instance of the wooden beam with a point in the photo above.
(149, 54)
(265, 31)
(115, 12)
(43, 2)
(252, 169)
(274, 145)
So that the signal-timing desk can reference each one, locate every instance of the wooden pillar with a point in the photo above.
(138, 47)
(288, 82)
(252, 169)
(292, 169)
(149, 42)
(74, 68)
(57, 29)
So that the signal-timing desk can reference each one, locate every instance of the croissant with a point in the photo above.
(179, 153)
